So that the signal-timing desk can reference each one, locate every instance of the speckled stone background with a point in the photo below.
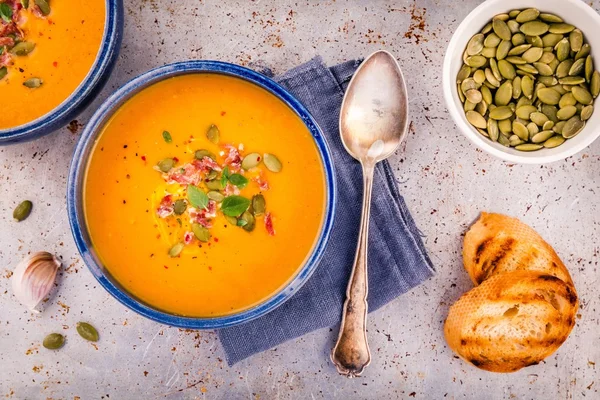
(445, 180)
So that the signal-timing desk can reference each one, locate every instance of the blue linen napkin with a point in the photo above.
(398, 260)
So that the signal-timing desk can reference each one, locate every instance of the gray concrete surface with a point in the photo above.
(445, 180)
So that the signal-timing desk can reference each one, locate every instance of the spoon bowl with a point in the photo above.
(373, 123)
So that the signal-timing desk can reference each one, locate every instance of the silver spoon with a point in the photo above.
(373, 123)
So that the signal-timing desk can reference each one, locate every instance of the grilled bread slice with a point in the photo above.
(525, 303)
(497, 243)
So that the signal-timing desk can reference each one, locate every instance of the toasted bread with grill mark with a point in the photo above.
(524, 304)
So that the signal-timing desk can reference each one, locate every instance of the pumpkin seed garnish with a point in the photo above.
(22, 48)
(3, 72)
(554, 141)
(214, 184)
(166, 164)
(44, 6)
(258, 204)
(167, 137)
(213, 134)
(249, 222)
(529, 147)
(201, 233)
(176, 250)
(216, 196)
(87, 331)
(272, 162)
(253, 159)
(33, 83)
(6, 12)
(179, 206)
(53, 341)
(22, 211)
(200, 154)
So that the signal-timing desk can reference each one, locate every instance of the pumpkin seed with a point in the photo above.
(554, 141)
(563, 68)
(589, 68)
(548, 80)
(501, 29)
(516, 87)
(488, 52)
(528, 147)
(486, 93)
(214, 184)
(487, 28)
(516, 60)
(525, 111)
(33, 83)
(582, 95)
(505, 126)
(550, 18)
(500, 113)
(584, 52)
(176, 249)
(527, 86)
(513, 26)
(514, 13)
(572, 80)
(558, 127)
(548, 96)
(216, 196)
(534, 28)
(528, 68)
(504, 17)
(503, 49)
(473, 95)
(3, 72)
(201, 233)
(551, 39)
(563, 49)
(567, 99)
(547, 57)
(586, 112)
(253, 159)
(249, 222)
(200, 154)
(258, 204)
(479, 77)
(476, 61)
(54, 341)
(481, 107)
(23, 48)
(542, 136)
(535, 41)
(43, 6)
(518, 50)
(272, 162)
(572, 127)
(518, 39)
(550, 112)
(179, 206)
(87, 331)
(468, 84)
(166, 164)
(561, 28)
(483, 132)
(576, 40)
(22, 211)
(469, 106)
(595, 84)
(503, 140)
(560, 89)
(213, 134)
(463, 74)
(520, 130)
(492, 129)
(492, 40)
(547, 125)
(543, 69)
(533, 54)
(577, 67)
(475, 45)
(476, 119)
(538, 118)
(495, 70)
(527, 15)
(506, 69)
(532, 128)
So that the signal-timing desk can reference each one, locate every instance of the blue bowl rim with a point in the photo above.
(78, 169)
(87, 88)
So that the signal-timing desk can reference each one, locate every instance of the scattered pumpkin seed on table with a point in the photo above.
(54, 341)
(22, 211)
(527, 81)
(87, 331)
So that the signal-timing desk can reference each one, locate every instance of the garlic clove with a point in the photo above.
(34, 277)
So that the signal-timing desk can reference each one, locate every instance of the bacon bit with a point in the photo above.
(207, 164)
(261, 181)
(7, 41)
(233, 158)
(5, 59)
(231, 189)
(188, 237)
(165, 208)
(187, 174)
(269, 224)
(211, 209)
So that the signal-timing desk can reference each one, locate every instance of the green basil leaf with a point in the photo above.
(238, 180)
(6, 12)
(197, 197)
(234, 206)
(167, 137)
(225, 176)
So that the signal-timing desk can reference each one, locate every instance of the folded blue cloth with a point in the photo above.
(397, 258)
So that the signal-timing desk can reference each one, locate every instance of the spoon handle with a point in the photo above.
(351, 352)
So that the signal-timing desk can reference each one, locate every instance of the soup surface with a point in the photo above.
(63, 46)
(166, 170)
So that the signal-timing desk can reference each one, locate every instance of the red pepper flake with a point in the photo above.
(175, 159)
(166, 267)
(217, 240)
(223, 113)
(209, 268)
(55, 64)
(143, 158)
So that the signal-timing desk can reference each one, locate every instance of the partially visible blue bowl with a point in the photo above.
(87, 89)
(78, 171)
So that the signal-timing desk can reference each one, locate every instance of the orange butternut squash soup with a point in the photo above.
(204, 195)
(47, 48)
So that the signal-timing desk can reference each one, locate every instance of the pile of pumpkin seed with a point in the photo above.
(528, 80)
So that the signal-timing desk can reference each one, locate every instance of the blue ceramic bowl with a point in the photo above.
(77, 176)
(86, 91)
